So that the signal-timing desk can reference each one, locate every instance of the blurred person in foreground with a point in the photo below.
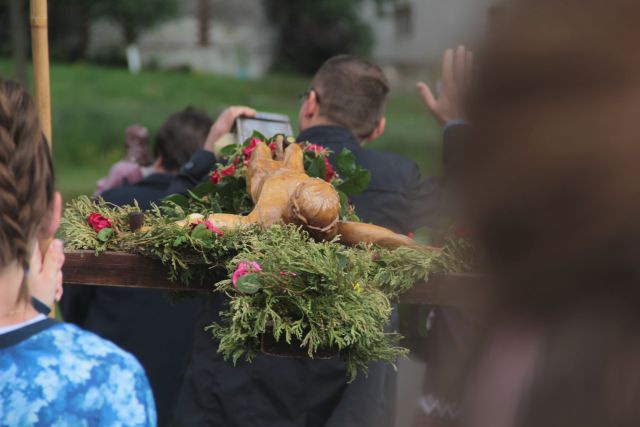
(51, 373)
(148, 323)
(343, 108)
(552, 197)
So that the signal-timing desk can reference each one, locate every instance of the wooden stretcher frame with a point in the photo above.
(133, 271)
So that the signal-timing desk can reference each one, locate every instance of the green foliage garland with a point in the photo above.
(317, 295)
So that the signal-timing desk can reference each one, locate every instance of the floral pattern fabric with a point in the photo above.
(63, 376)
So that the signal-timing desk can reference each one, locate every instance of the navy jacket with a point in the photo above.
(146, 323)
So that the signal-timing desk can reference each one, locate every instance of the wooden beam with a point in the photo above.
(126, 270)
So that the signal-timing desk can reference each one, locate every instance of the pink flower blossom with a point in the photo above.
(245, 268)
(213, 228)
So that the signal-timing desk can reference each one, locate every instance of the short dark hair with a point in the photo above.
(181, 135)
(352, 92)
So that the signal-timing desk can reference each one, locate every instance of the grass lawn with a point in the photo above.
(93, 105)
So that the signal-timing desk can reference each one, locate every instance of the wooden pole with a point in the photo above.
(42, 86)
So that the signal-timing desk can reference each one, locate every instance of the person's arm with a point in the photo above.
(447, 109)
(203, 161)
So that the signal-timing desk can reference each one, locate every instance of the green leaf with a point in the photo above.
(201, 232)
(249, 284)
(258, 135)
(344, 203)
(357, 183)
(105, 234)
(204, 189)
(230, 150)
(179, 240)
(346, 165)
(179, 199)
(317, 168)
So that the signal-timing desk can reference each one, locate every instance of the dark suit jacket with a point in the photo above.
(287, 392)
(147, 323)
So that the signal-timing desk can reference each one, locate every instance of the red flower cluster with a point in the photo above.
(252, 146)
(217, 176)
(315, 148)
(330, 172)
(98, 222)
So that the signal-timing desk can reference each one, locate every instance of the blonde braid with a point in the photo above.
(26, 174)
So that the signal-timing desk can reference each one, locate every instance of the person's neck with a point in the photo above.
(14, 308)
(321, 121)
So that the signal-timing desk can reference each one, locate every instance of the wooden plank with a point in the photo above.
(120, 270)
(126, 270)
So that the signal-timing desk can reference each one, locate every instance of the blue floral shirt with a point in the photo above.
(55, 374)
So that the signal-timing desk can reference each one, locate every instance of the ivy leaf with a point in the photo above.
(248, 284)
(204, 189)
(346, 165)
(105, 234)
(178, 199)
(229, 150)
(317, 168)
(357, 183)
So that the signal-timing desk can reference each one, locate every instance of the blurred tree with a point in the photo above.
(18, 25)
(312, 31)
(134, 16)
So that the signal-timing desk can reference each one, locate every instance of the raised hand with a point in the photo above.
(456, 75)
(45, 276)
(224, 124)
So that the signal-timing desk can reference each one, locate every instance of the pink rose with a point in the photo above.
(245, 268)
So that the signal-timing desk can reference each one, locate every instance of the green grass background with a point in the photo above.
(93, 105)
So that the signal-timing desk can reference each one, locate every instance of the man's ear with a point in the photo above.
(311, 106)
(379, 130)
(52, 219)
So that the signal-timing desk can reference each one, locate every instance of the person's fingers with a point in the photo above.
(469, 66)
(59, 289)
(459, 67)
(447, 69)
(427, 96)
(54, 259)
(243, 112)
(35, 263)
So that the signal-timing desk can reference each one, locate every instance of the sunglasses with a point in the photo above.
(303, 97)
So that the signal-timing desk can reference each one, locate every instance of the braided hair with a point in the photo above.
(26, 174)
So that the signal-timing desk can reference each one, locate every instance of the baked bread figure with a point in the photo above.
(282, 191)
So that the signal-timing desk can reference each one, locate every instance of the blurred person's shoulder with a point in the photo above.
(389, 171)
(64, 371)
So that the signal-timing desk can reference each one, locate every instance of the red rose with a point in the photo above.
(330, 172)
(217, 176)
(252, 146)
(315, 148)
(98, 222)
(228, 171)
